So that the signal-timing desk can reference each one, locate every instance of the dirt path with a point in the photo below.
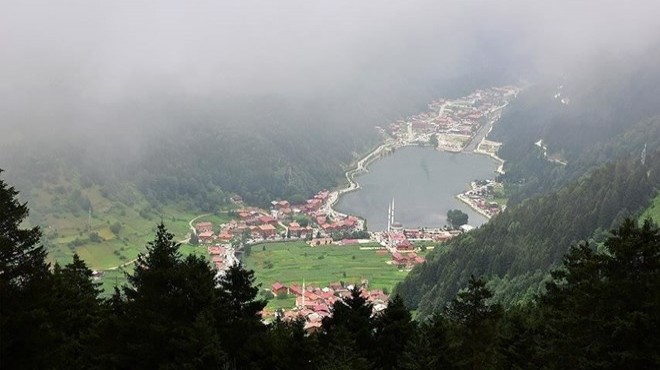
(192, 228)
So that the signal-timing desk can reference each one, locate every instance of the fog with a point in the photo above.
(74, 66)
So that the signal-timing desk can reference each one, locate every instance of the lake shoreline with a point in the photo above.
(425, 217)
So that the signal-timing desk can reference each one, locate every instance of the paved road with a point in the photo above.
(483, 131)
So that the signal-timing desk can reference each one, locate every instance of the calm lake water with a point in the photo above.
(423, 183)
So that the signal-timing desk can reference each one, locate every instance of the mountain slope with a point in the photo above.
(522, 243)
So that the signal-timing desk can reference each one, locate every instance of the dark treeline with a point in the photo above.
(600, 311)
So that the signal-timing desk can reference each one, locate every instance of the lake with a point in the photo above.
(423, 183)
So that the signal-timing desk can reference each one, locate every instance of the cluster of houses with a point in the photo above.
(251, 222)
(431, 234)
(480, 196)
(220, 257)
(460, 117)
(401, 249)
(258, 224)
(314, 303)
(315, 209)
(282, 209)
(406, 260)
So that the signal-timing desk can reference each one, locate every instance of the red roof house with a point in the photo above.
(206, 237)
(267, 230)
(202, 227)
(278, 288)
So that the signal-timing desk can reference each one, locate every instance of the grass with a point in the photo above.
(112, 279)
(499, 195)
(68, 229)
(67, 232)
(275, 304)
(291, 262)
(653, 211)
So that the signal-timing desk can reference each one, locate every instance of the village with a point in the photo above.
(481, 197)
(310, 222)
(454, 124)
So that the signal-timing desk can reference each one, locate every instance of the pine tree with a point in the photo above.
(75, 315)
(473, 326)
(393, 330)
(24, 287)
(289, 347)
(238, 314)
(429, 346)
(350, 326)
(601, 309)
(169, 311)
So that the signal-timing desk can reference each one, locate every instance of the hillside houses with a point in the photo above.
(453, 120)
(220, 257)
(297, 231)
(407, 260)
(480, 197)
(203, 227)
(314, 303)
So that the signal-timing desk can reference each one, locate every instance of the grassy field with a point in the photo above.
(68, 231)
(291, 262)
(112, 234)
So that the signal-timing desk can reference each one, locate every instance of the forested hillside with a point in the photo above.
(584, 176)
(604, 114)
(518, 247)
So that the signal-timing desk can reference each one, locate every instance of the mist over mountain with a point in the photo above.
(163, 167)
(99, 88)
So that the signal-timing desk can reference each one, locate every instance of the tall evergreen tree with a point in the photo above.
(75, 312)
(289, 347)
(428, 347)
(238, 315)
(393, 330)
(473, 326)
(169, 318)
(348, 333)
(24, 287)
(601, 309)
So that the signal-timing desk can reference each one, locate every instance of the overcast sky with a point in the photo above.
(62, 60)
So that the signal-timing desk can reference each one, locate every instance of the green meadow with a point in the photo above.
(291, 262)
(113, 234)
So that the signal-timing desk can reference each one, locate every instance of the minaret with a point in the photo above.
(392, 221)
(303, 294)
(389, 217)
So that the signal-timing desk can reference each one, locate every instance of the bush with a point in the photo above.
(115, 228)
(267, 294)
(95, 237)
